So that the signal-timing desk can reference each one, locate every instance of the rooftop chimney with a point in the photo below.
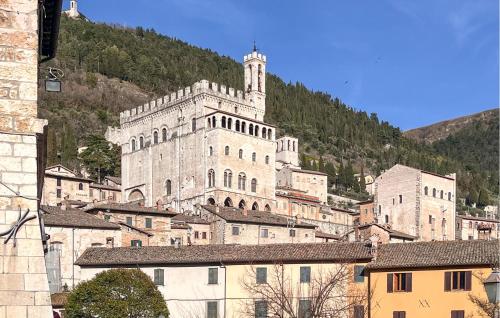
(374, 246)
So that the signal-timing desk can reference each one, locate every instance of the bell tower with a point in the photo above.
(255, 78)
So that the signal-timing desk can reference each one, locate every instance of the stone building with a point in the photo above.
(383, 233)
(203, 144)
(152, 220)
(367, 212)
(71, 232)
(190, 229)
(24, 288)
(110, 190)
(235, 226)
(416, 202)
(476, 228)
(60, 183)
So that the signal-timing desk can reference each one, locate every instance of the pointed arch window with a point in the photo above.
(256, 130)
(264, 132)
(250, 129)
(223, 122)
(228, 178)
(133, 144)
(155, 137)
(164, 134)
(211, 178)
(193, 124)
(441, 194)
(141, 142)
(168, 187)
(226, 150)
(214, 122)
(426, 190)
(229, 123)
(242, 180)
(243, 127)
(209, 123)
(434, 192)
(237, 125)
(269, 134)
(254, 185)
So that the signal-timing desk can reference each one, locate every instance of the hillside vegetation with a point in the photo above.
(109, 69)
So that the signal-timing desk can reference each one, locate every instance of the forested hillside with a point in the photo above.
(109, 69)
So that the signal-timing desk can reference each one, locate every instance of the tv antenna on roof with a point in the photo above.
(254, 46)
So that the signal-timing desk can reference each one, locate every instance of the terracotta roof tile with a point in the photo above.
(194, 219)
(234, 215)
(129, 207)
(211, 254)
(55, 216)
(436, 254)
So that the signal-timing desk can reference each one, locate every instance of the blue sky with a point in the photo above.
(414, 62)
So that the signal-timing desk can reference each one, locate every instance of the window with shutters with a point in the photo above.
(305, 274)
(158, 276)
(261, 309)
(457, 314)
(213, 274)
(136, 243)
(399, 314)
(305, 308)
(358, 273)
(212, 309)
(399, 282)
(261, 275)
(457, 280)
(359, 311)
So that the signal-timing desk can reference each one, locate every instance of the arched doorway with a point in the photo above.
(255, 206)
(267, 208)
(211, 201)
(135, 195)
(242, 204)
(228, 202)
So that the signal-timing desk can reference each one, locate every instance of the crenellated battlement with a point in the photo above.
(254, 55)
(172, 99)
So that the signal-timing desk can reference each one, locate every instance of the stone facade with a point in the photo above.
(476, 228)
(367, 213)
(61, 184)
(24, 288)
(313, 183)
(204, 143)
(416, 202)
(151, 220)
(287, 152)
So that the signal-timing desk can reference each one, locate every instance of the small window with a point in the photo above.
(155, 137)
(240, 154)
(141, 142)
(292, 233)
(264, 233)
(305, 308)
(267, 160)
(399, 314)
(229, 123)
(358, 274)
(254, 156)
(434, 192)
(110, 242)
(457, 280)
(164, 134)
(136, 243)
(426, 190)
(58, 193)
(193, 124)
(236, 230)
(386, 219)
(129, 220)
(359, 310)
(210, 151)
(399, 282)
(212, 309)
(441, 194)
(261, 275)
(400, 198)
(261, 309)
(457, 314)
(149, 223)
(254, 185)
(223, 124)
(204, 235)
(226, 150)
(107, 217)
(133, 146)
(213, 274)
(96, 244)
(80, 186)
(159, 277)
(305, 274)
(449, 196)
(430, 219)
(196, 234)
(58, 180)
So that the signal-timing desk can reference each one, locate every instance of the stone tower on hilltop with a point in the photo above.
(204, 144)
(73, 9)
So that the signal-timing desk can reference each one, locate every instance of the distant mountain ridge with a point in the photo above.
(443, 129)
